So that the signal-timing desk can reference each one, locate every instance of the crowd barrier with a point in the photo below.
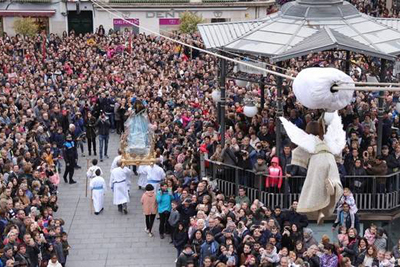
(372, 193)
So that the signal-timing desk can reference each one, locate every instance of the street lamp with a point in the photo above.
(250, 110)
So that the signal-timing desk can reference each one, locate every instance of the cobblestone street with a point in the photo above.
(109, 239)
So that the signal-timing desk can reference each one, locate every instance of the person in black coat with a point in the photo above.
(351, 250)
(286, 240)
(244, 163)
(293, 217)
(70, 158)
(358, 183)
(390, 159)
(91, 133)
(103, 125)
(186, 257)
(311, 257)
(362, 251)
(180, 237)
(22, 257)
(278, 216)
(32, 250)
(186, 210)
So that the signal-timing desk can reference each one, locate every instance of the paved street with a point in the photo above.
(109, 239)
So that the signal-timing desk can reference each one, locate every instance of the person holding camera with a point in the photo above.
(103, 125)
(164, 199)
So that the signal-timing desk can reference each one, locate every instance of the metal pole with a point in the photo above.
(380, 106)
(347, 62)
(262, 88)
(203, 166)
(279, 113)
(222, 78)
(237, 184)
(219, 112)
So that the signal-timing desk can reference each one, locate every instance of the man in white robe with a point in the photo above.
(120, 182)
(155, 175)
(91, 173)
(143, 172)
(116, 159)
(98, 187)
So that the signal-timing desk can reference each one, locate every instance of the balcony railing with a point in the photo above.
(372, 193)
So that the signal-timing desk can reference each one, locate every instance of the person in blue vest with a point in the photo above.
(209, 248)
(70, 158)
(164, 198)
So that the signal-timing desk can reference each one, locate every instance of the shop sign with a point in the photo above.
(166, 14)
(126, 22)
(170, 21)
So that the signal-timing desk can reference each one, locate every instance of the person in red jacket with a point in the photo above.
(274, 178)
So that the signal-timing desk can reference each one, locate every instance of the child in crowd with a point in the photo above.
(347, 198)
(343, 238)
(173, 217)
(370, 234)
(65, 245)
(54, 262)
(389, 260)
(56, 152)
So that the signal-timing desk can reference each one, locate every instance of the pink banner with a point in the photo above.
(121, 22)
(170, 21)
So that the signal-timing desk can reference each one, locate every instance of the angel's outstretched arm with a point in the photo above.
(298, 136)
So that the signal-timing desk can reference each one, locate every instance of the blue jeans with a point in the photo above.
(103, 141)
(111, 117)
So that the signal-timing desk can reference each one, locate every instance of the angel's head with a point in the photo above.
(315, 128)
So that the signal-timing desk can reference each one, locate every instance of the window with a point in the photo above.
(216, 20)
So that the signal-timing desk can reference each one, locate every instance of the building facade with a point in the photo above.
(160, 16)
(50, 16)
(165, 18)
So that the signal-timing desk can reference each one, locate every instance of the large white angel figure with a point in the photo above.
(316, 151)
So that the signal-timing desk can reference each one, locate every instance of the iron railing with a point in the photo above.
(372, 193)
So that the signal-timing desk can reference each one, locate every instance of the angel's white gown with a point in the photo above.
(322, 187)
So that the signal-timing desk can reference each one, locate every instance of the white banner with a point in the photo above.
(244, 68)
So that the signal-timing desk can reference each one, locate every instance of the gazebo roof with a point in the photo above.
(305, 26)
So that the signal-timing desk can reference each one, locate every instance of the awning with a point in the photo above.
(27, 13)
(302, 27)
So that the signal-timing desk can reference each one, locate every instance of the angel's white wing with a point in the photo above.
(298, 136)
(335, 137)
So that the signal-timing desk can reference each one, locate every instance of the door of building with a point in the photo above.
(80, 23)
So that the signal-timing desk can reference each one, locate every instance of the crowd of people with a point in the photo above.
(55, 104)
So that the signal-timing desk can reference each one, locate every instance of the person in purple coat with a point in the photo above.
(329, 258)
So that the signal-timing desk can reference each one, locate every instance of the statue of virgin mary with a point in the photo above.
(139, 134)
